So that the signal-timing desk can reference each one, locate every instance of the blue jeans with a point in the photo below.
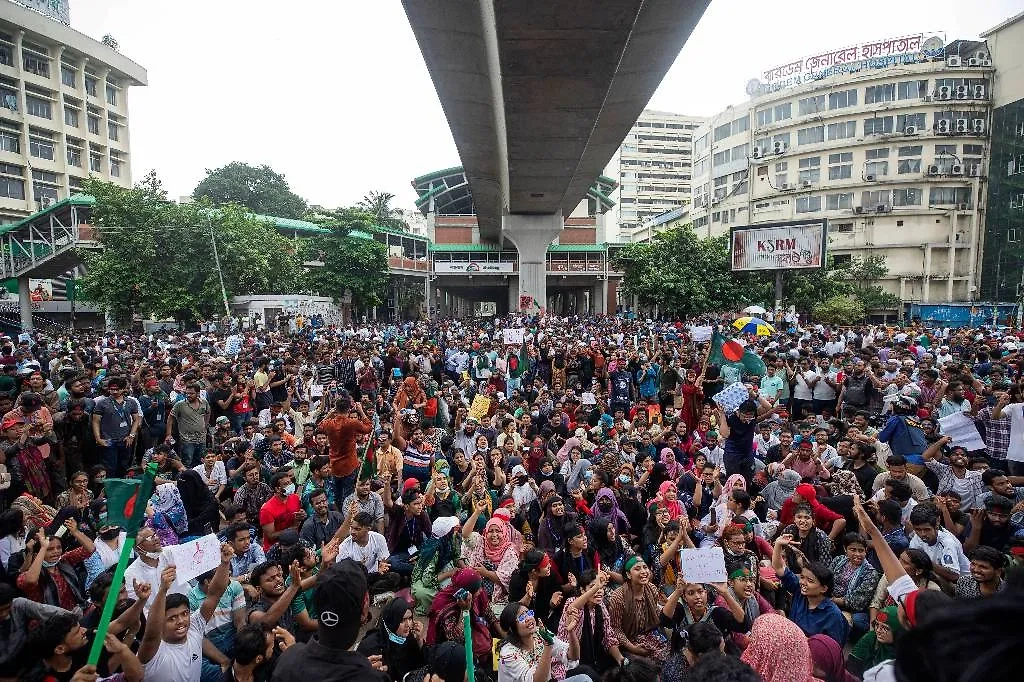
(238, 420)
(401, 563)
(343, 487)
(117, 458)
(191, 454)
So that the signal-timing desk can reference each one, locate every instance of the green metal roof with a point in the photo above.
(292, 224)
(576, 248)
(359, 234)
(436, 175)
(465, 247)
(73, 200)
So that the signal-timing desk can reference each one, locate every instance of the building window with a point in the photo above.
(12, 182)
(723, 131)
(885, 92)
(38, 107)
(37, 64)
(40, 148)
(6, 53)
(836, 202)
(112, 130)
(911, 196)
(842, 259)
(10, 141)
(764, 117)
(945, 157)
(111, 95)
(840, 166)
(783, 138)
(45, 186)
(942, 196)
(781, 177)
(67, 76)
(90, 85)
(808, 204)
(810, 169)
(94, 124)
(877, 162)
(843, 99)
(720, 158)
(115, 167)
(840, 227)
(739, 152)
(810, 135)
(95, 162)
(911, 89)
(811, 105)
(841, 131)
(878, 126)
(783, 111)
(905, 120)
(909, 159)
(869, 200)
(8, 98)
(71, 117)
(74, 157)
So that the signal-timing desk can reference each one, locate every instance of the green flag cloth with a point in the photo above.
(368, 459)
(126, 502)
(734, 358)
(518, 364)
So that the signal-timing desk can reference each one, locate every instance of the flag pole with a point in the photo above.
(467, 628)
(122, 564)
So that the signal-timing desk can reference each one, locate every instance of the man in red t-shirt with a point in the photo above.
(282, 511)
(341, 429)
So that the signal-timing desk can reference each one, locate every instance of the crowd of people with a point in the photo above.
(394, 501)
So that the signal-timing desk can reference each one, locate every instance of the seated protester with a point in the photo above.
(896, 468)
(343, 599)
(408, 526)
(598, 646)
(49, 574)
(533, 585)
(899, 492)
(369, 502)
(956, 475)
(437, 562)
(145, 568)
(248, 554)
(668, 561)
(370, 549)
(824, 518)
(252, 495)
(734, 547)
(397, 639)
(811, 609)
(635, 611)
(941, 546)
(228, 617)
(530, 652)
(918, 568)
(479, 492)
(493, 555)
(321, 526)
(572, 560)
(16, 614)
(689, 603)
(951, 516)
(550, 533)
(308, 561)
(439, 492)
(743, 588)
(879, 644)
(274, 606)
(611, 549)
(58, 647)
(255, 653)
(320, 478)
(860, 463)
(282, 511)
(992, 526)
(108, 544)
(986, 575)
(855, 581)
(807, 540)
(172, 645)
(446, 624)
(997, 483)
(659, 535)
(703, 640)
(889, 517)
(780, 490)
(778, 651)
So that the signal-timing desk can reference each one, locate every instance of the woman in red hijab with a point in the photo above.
(445, 617)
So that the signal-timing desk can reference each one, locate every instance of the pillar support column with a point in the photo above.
(25, 303)
(531, 235)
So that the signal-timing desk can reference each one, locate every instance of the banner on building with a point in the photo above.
(795, 245)
(473, 267)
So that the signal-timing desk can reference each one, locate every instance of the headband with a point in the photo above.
(630, 563)
(740, 573)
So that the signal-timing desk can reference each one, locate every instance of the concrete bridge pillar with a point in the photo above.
(531, 235)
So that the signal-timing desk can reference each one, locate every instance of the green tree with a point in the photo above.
(685, 275)
(857, 276)
(378, 204)
(157, 256)
(840, 310)
(259, 188)
(352, 259)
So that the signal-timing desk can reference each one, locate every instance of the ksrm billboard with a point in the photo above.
(795, 245)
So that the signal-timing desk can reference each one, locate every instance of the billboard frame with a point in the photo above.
(823, 222)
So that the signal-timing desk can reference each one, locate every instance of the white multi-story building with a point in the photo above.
(653, 168)
(892, 150)
(63, 111)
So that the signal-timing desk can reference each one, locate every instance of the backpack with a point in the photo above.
(857, 390)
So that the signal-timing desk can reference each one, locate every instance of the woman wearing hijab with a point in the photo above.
(606, 508)
(599, 649)
(781, 489)
(551, 532)
(672, 467)
(635, 613)
(610, 548)
(445, 616)
(827, 657)
(409, 396)
(879, 644)
(494, 557)
(668, 497)
(397, 639)
(435, 564)
(743, 588)
(778, 651)
(201, 507)
(169, 520)
(565, 452)
(576, 476)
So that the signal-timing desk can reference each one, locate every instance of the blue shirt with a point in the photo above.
(824, 619)
(905, 437)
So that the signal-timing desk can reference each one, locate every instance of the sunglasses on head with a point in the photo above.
(524, 615)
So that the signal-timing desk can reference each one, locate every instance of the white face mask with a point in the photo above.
(150, 555)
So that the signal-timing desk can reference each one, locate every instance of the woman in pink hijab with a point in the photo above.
(778, 650)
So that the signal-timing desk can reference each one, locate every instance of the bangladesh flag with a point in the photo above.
(126, 502)
(518, 364)
(368, 459)
(729, 353)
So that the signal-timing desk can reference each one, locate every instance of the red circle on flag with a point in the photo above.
(732, 350)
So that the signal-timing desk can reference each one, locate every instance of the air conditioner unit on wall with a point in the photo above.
(910, 130)
(779, 147)
(962, 125)
(961, 207)
(933, 170)
(978, 126)
(942, 126)
(944, 92)
(978, 91)
(956, 169)
(960, 92)
(953, 60)
(758, 152)
(858, 210)
(869, 178)
(974, 61)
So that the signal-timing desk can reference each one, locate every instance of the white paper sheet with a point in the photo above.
(703, 565)
(193, 558)
(962, 430)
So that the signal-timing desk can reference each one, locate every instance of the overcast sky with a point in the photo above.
(334, 93)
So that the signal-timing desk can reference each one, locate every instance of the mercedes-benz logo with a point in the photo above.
(329, 618)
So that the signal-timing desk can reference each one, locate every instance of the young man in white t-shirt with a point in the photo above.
(172, 646)
(1015, 452)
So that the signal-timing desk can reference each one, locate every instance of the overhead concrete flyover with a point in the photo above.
(539, 95)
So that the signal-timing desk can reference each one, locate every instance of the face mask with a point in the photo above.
(535, 414)
(103, 516)
(154, 556)
(110, 534)
(481, 448)
(624, 478)
(397, 639)
(50, 564)
(289, 489)
(605, 505)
